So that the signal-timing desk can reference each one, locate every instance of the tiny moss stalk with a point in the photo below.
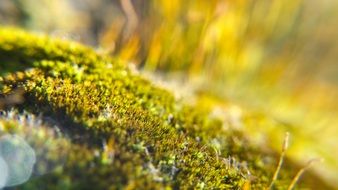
(281, 159)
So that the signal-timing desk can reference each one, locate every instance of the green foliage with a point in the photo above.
(123, 131)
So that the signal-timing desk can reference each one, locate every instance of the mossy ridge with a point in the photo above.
(27, 48)
(155, 143)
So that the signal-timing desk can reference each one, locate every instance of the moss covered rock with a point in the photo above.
(95, 124)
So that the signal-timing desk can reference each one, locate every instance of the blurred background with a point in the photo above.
(272, 65)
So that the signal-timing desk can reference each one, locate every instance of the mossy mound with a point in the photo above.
(118, 129)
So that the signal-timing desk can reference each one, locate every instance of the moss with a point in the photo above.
(121, 130)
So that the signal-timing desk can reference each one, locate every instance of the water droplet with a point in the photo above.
(19, 157)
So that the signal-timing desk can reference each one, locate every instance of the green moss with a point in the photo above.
(123, 131)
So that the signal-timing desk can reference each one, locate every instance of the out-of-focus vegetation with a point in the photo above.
(268, 62)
